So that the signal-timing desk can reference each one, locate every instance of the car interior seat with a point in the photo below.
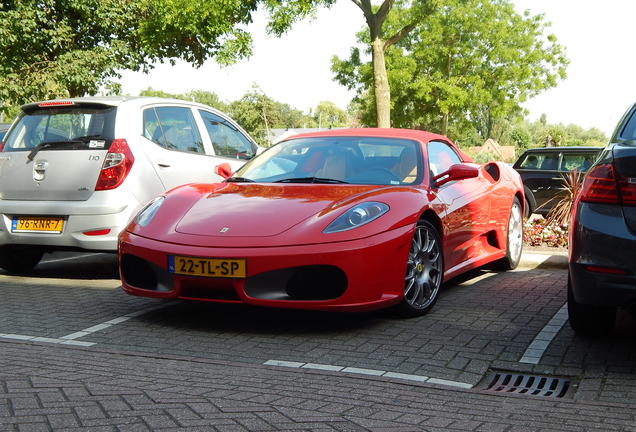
(334, 167)
(407, 165)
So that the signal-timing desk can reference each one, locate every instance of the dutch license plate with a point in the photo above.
(39, 224)
(207, 267)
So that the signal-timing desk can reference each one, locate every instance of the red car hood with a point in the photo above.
(249, 210)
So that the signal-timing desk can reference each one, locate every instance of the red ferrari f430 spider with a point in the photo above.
(350, 220)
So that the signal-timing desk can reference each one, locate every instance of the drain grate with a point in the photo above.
(531, 385)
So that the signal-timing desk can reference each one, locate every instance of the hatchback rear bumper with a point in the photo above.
(103, 211)
(602, 257)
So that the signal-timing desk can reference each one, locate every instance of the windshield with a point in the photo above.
(63, 128)
(355, 160)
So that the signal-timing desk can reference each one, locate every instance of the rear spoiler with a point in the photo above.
(34, 106)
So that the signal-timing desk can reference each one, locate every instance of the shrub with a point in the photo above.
(560, 214)
(538, 232)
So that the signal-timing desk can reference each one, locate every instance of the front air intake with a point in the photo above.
(305, 283)
(137, 272)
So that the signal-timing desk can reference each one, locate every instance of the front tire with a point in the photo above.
(514, 239)
(424, 271)
(19, 259)
(530, 202)
(589, 320)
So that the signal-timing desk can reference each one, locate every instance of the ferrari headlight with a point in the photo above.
(144, 217)
(357, 216)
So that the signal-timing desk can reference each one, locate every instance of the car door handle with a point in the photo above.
(163, 164)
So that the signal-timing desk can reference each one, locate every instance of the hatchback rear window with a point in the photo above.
(77, 128)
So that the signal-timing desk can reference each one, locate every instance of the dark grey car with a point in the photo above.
(602, 262)
(543, 171)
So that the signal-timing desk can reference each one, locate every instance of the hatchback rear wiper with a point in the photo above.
(238, 180)
(311, 180)
(87, 137)
(48, 144)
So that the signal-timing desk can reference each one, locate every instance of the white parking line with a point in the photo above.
(45, 339)
(70, 258)
(372, 372)
(110, 323)
(70, 338)
(537, 348)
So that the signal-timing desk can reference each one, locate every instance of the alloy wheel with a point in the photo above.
(424, 268)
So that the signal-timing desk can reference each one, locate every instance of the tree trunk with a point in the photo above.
(381, 85)
(445, 124)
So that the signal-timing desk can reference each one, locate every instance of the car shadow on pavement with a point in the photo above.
(78, 266)
(236, 318)
(196, 315)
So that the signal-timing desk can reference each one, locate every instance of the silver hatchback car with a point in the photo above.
(74, 172)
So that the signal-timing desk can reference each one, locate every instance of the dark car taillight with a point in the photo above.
(627, 188)
(603, 185)
(117, 164)
(600, 185)
(1, 146)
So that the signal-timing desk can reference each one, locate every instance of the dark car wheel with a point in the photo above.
(424, 271)
(530, 202)
(514, 239)
(589, 320)
(19, 259)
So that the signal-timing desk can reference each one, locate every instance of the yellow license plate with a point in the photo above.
(207, 267)
(39, 224)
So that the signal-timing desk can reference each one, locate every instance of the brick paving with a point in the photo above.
(48, 387)
(197, 366)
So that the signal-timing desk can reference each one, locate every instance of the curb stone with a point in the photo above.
(544, 258)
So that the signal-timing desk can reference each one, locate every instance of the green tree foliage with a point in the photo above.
(328, 115)
(577, 136)
(385, 28)
(555, 136)
(258, 113)
(200, 96)
(520, 137)
(59, 48)
(464, 68)
(571, 135)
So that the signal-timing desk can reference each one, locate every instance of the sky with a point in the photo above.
(295, 69)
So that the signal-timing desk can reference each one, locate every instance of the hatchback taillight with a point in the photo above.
(603, 185)
(117, 164)
(1, 146)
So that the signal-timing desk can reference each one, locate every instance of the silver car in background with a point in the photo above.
(74, 172)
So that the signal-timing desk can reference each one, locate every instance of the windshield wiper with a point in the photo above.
(87, 137)
(238, 180)
(48, 144)
(311, 180)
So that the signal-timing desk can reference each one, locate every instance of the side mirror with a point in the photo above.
(456, 172)
(224, 170)
(244, 155)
